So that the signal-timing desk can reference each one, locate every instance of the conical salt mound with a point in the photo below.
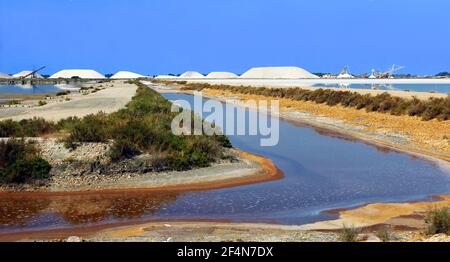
(26, 73)
(4, 76)
(81, 73)
(126, 75)
(278, 73)
(192, 74)
(221, 75)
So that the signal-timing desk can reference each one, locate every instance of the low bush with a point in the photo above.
(63, 93)
(438, 221)
(42, 103)
(434, 108)
(348, 234)
(144, 126)
(123, 149)
(384, 235)
(92, 128)
(26, 128)
(13, 102)
(20, 163)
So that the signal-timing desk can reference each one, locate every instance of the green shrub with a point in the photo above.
(19, 162)
(9, 128)
(12, 150)
(36, 127)
(42, 103)
(384, 235)
(438, 221)
(123, 149)
(92, 128)
(13, 102)
(348, 234)
(63, 93)
(26, 128)
(67, 123)
(144, 126)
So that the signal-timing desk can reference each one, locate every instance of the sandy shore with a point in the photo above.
(113, 96)
(410, 215)
(308, 84)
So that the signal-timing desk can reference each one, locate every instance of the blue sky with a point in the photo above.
(172, 36)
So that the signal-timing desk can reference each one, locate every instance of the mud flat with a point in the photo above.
(109, 98)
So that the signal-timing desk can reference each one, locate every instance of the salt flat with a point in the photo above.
(114, 97)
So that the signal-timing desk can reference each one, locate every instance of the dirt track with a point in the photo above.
(114, 97)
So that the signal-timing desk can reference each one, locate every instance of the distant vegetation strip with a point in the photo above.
(434, 108)
(144, 126)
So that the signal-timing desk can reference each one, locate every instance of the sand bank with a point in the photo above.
(409, 215)
(247, 169)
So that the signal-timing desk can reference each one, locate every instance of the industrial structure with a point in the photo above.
(345, 73)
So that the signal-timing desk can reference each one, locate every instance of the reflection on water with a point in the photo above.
(29, 89)
(17, 211)
(322, 170)
(28, 210)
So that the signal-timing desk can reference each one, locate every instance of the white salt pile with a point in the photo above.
(192, 74)
(278, 73)
(126, 75)
(3, 75)
(26, 73)
(221, 75)
(81, 73)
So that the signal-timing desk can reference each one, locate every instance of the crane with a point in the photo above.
(34, 72)
(391, 71)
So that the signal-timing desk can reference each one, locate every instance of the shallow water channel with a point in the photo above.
(323, 171)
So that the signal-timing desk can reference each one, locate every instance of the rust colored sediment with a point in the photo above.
(86, 231)
(267, 172)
